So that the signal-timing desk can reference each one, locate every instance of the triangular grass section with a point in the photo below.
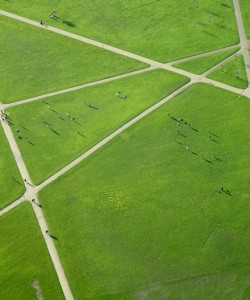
(36, 61)
(202, 64)
(11, 182)
(71, 123)
(232, 73)
(26, 270)
(149, 208)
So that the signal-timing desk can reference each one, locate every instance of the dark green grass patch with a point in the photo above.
(26, 271)
(35, 61)
(61, 128)
(11, 183)
(146, 216)
(202, 64)
(232, 72)
(161, 30)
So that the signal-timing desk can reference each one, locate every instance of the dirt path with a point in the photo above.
(243, 38)
(77, 87)
(29, 195)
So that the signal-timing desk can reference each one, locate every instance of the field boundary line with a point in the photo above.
(202, 54)
(75, 88)
(215, 67)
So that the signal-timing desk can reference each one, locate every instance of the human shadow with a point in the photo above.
(16, 181)
(54, 131)
(217, 158)
(193, 153)
(194, 129)
(178, 142)
(215, 141)
(54, 237)
(81, 134)
(91, 106)
(68, 23)
(182, 135)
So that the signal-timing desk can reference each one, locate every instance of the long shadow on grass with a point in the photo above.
(54, 237)
(68, 23)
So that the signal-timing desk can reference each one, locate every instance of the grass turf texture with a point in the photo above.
(202, 64)
(35, 61)
(232, 72)
(108, 113)
(25, 265)
(245, 12)
(143, 214)
(11, 183)
(161, 30)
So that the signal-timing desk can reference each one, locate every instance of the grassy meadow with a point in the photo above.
(11, 183)
(35, 61)
(73, 122)
(162, 30)
(146, 215)
(26, 270)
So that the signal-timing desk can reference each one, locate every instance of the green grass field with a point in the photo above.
(232, 72)
(37, 61)
(108, 113)
(245, 12)
(11, 183)
(162, 30)
(143, 215)
(202, 64)
(26, 270)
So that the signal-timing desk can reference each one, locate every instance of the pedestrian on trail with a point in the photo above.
(25, 180)
(47, 232)
(41, 22)
(33, 200)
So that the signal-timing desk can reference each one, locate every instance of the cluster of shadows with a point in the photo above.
(213, 137)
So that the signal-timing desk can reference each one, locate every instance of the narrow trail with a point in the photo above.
(76, 87)
(13, 205)
(221, 63)
(29, 195)
(243, 38)
(203, 54)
